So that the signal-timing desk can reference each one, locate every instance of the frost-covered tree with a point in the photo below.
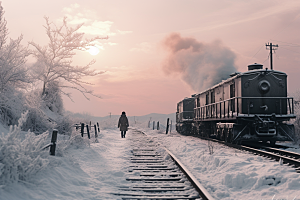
(13, 73)
(12, 58)
(54, 61)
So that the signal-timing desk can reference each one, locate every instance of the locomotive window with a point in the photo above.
(207, 99)
(180, 107)
(212, 96)
(232, 90)
(232, 94)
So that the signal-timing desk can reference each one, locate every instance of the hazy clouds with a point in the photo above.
(201, 65)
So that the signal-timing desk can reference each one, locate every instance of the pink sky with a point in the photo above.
(133, 56)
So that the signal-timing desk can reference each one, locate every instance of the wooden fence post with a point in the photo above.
(88, 131)
(95, 131)
(167, 129)
(53, 141)
(98, 127)
(157, 125)
(171, 126)
(82, 129)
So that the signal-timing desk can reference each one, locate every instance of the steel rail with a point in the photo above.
(268, 154)
(200, 189)
(276, 150)
(276, 154)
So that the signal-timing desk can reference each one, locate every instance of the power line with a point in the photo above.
(277, 33)
(290, 50)
(289, 45)
(292, 44)
(266, 60)
(256, 53)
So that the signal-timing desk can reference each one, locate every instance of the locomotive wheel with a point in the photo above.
(199, 131)
(218, 133)
(224, 134)
(221, 133)
(229, 136)
(272, 143)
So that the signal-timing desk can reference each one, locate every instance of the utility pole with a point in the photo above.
(110, 115)
(272, 47)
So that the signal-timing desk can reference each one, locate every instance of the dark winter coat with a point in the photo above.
(123, 123)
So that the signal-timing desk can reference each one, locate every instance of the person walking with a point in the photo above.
(123, 124)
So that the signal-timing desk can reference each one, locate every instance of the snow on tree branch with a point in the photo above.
(12, 58)
(13, 73)
(54, 61)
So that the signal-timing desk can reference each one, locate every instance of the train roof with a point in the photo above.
(239, 74)
(186, 98)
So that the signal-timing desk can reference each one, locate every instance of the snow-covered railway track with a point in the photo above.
(155, 173)
(287, 157)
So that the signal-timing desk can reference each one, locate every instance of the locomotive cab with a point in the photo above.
(264, 106)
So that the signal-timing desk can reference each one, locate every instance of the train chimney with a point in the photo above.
(255, 66)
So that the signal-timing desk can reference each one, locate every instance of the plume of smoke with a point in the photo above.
(200, 65)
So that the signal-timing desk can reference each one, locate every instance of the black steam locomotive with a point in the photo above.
(249, 106)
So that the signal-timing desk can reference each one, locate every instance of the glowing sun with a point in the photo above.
(93, 50)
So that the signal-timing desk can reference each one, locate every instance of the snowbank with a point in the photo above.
(87, 169)
(233, 174)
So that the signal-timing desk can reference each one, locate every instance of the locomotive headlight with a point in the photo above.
(264, 86)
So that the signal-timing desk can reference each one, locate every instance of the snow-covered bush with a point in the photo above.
(64, 125)
(47, 111)
(37, 121)
(20, 154)
(11, 105)
(74, 142)
(53, 99)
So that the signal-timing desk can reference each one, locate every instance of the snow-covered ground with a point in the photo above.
(94, 170)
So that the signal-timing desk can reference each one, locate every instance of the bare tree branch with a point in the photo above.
(54, 61)
(13, 71)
